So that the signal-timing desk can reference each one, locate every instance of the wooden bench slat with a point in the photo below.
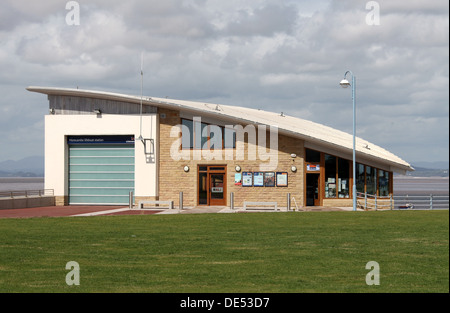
(169, 203)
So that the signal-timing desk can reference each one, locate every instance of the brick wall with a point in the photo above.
(173, 179)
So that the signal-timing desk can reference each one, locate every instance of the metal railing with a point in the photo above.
(16, 194)
(418, 202)
(367, 201)
(422, 202)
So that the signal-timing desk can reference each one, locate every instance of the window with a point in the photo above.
(312, 156)
(360, 178)
(187, 135)
(196, 135)
(330, 176)
(215, 137)
(229, 141)
(371, 180)
(338, 176)
(200, 135)
(383, 183)
(343, 178)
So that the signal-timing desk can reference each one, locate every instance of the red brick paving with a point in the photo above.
(61, 211)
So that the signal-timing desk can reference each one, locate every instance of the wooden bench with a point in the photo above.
(259, 204)
(156, 202)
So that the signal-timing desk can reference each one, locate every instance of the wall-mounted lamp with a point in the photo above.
(237, 168)
(293, 155)
(293, 168)
(186, 168)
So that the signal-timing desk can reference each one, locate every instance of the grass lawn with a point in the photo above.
(254, 252)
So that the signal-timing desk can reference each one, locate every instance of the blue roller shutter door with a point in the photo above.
(101, 174)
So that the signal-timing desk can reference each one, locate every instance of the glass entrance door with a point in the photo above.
(312, 190)
(212, 185)
(217, 195)
(203, 188)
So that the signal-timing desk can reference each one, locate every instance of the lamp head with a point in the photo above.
(344, 83)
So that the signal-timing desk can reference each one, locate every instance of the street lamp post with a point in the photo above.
(345, 83)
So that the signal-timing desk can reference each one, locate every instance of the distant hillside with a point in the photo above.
(27, 167)
(432, 165)
(427, 172)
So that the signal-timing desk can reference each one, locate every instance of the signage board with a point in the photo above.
(107, 139)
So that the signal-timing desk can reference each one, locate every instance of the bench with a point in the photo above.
(259, 204)
(156, 202)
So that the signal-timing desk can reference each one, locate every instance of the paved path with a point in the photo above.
(78, 211)
(63, 211)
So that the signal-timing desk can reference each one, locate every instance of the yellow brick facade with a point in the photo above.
(173, 178)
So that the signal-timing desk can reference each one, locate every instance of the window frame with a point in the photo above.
(322, 172)
(209, 140)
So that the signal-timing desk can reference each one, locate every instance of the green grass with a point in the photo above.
(255, 252)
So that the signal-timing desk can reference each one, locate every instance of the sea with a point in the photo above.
(21, 183)
(415, 186)
(403, 185)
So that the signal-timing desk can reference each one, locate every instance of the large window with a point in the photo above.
(383, 183)
(360, 178)
(187, 139)
(215, 137)
(196, 135)
(330, 176)
(201, 135)
(312, 156)
(371, 180)
(229, 140)
(343, 178)
(337, 177)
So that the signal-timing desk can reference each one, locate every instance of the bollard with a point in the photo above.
(130, 200)
(232, 200)
(288, 202)
(180, 207)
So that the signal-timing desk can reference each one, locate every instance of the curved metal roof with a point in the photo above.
(314, 133)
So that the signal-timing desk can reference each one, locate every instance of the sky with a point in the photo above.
(281, 56)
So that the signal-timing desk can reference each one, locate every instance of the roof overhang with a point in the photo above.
(314, 134)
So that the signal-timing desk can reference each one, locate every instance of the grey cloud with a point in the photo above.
(266, 54)
(264, 21)
(169, 18)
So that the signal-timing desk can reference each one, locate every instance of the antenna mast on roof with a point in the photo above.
(142, 87)
(148, 143)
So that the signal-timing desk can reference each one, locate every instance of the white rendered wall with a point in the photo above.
(58, 127)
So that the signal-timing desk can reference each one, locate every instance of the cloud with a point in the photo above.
(265, 21)
(276, 55)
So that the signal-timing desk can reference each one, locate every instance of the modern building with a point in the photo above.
(99, 146)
